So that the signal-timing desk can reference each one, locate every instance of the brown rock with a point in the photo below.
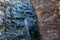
(48, 17)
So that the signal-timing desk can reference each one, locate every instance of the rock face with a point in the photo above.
(18, 21)
(49, 18)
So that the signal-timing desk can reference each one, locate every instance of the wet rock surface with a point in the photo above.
(18, 21)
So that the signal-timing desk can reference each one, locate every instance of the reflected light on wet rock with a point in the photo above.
(2, 0)
(59, 7)
(0, 12)
(56, 0)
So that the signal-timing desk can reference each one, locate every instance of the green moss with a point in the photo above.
(2, 29)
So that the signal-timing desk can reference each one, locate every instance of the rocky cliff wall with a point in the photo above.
(48, 17)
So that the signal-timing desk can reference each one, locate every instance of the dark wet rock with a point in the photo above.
(19, 19)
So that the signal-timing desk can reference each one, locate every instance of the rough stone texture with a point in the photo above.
(48, 17)
(18, 20)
